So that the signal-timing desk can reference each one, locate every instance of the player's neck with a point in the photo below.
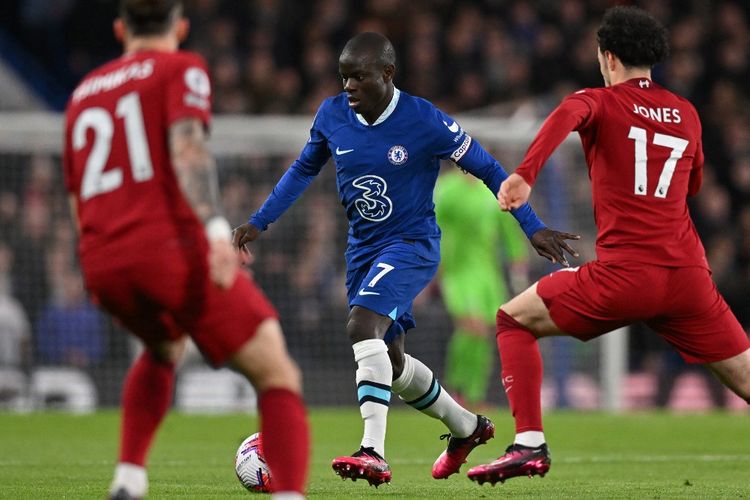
(155, 43)
(375, 114)
(626, 74)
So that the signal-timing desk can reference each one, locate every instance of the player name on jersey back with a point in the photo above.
(661, 115)
(138, 70)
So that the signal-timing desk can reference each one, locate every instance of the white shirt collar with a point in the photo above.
(386, 113)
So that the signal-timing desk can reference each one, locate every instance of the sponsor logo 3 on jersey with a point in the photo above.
(398, 155)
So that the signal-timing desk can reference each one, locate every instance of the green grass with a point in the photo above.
(597, 456)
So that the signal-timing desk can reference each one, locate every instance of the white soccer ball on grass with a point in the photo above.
(250, 465)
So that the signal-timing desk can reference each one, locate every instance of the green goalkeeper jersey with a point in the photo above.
(477, 239)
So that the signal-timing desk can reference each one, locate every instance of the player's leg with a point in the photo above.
(700, 325)
(576, 302)
(146, 399)
(734, 372)
(457, 370)
(148, 386)
(239, 326)
(374, 374)
(520, 323)
(416, 384)
(265, 361)
(473, 360)
(471, 299)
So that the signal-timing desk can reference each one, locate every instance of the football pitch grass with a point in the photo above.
(597, 456)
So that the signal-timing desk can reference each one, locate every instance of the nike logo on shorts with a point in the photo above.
(343, 151)
(363, 292)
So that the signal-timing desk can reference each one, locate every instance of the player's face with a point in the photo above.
(367, 84)
(603, 67)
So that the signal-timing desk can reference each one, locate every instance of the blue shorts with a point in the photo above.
(391, 281)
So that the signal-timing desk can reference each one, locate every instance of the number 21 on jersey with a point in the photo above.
(95, 180)
(678, 147)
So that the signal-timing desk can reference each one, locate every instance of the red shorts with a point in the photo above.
(162, 295)
(681, 304)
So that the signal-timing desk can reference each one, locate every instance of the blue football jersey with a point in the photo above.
(386, 172)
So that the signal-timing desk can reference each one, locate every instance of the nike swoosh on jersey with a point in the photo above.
(343, 151)
(453, 127)
(363, 292)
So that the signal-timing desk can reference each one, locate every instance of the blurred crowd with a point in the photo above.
(489, 57)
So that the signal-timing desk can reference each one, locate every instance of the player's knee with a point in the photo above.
(168, 352)
(506, 322)
(358, 329)
(284, 375)
(397, 362)
(744, 392)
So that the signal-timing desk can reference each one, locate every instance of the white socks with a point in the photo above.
(419, 388)
(532, 439)
(132, 478)
(287, 495)
(374, 375)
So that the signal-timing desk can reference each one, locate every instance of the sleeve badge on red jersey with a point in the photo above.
(199, 87)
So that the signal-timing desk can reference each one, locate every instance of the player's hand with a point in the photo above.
(242, 235)
(223, 263)
(514, 192)
(551, 244)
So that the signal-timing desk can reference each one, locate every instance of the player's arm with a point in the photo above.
(516, 253)
(452, 142)
(195, 169)
(547, 242)
(290, 187)
(570, 115)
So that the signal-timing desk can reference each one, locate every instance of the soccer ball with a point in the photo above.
(250, 465)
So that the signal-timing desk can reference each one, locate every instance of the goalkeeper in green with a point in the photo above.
(479, 243)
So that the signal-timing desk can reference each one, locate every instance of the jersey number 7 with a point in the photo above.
(678, 147)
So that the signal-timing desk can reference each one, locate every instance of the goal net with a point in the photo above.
(299, 263)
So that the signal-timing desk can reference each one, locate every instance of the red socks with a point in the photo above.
(521, 372)
(146, 398)
(286, 439)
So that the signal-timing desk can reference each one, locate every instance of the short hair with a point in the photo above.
(372, 44)
(149, 17)
(634, 36)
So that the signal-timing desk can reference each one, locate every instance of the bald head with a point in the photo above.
(373, 47)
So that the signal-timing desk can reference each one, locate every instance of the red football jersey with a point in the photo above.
(644, 153)
(117, 160)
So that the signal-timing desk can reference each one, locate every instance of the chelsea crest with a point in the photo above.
(398, 155)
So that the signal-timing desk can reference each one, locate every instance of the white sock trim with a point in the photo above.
(369, 347)
(287, 495)
(403, 381)
(530, 438)
(132, 478)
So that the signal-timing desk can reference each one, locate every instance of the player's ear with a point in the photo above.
(118, 28)
(183, 28)
(388, 71)
(611, 60)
